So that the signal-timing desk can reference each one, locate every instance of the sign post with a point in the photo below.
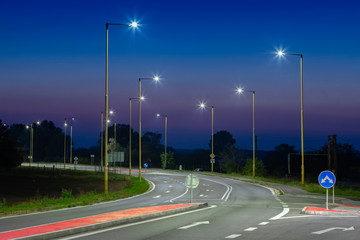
(327, 180)
(191, 181)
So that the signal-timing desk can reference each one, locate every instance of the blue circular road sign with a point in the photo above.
(145, 165)
(327, 179)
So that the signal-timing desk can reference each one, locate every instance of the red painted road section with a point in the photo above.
(317, 209)
(107, 217)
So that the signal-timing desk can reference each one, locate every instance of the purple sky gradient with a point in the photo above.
(52, 66)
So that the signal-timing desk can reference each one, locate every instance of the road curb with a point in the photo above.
(329, 212)
(113, 223)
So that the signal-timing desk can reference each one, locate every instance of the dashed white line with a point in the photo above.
(263, 223)
(233, 236)
(250, 229)
(157, 196)
(167, 191)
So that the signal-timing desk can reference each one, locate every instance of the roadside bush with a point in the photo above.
(259, 167)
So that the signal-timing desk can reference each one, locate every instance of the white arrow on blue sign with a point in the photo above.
(327, 179)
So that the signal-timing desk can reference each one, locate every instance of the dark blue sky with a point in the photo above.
(52, 66)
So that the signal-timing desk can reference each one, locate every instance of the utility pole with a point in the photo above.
(329, 153)
(334, 155)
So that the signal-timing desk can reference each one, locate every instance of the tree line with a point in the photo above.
(49, 147)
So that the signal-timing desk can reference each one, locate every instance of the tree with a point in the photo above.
(259, 167)
(222, 140)
(170, 162)
(10, 155)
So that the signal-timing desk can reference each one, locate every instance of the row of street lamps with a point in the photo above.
(202, 105)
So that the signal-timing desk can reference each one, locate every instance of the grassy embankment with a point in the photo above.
(349, 191)
(308, 186)
(28, 190)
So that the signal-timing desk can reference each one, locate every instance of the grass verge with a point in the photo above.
(348, 191)
(74, 191)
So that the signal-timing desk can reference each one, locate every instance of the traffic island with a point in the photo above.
(330, 212)
(80, 225)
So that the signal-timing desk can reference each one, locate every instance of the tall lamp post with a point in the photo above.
(166, 121)
(202, 105)
(156, 79)
(133, 25)
(31, 155)
(280, 54)
(102, 142)
(65, 125)
(240, 90)
(130, 133)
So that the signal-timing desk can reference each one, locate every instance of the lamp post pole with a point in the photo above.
(31, 147)
(102, 141)
(134, 25)
(70, 143)
(156, 78)
(253, 93)
(166, 119)
(202, 105)
(65, 142)
(140, 129)
(281, 53)
(130, 136)
(240, 90)
(212, 136)
(130, 133)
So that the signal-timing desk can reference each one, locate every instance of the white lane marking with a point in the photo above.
(167, 191)
(201, 195)
(157, 196)
(171, 200)
(134, 224)
(170, 186)
(207, 190)
(263, 223)
(228, 191)
(283, 213)
(233, 236)
(250, 229)
(318, 216)
(285, 206)
(165, 181)
(334, 228)
(194, 224)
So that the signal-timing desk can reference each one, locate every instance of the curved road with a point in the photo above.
(237, 210)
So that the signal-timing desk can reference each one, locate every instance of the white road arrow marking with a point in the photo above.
(334, 228)
(194, 225)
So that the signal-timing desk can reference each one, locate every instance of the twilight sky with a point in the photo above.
(52, 66)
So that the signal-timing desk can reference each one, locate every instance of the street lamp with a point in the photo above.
(132, 25)
(166, 120)
(239, 91)
(281, 53)
(202, 105)
(65, 125)
(130, 133)
(141, 98)
(31, 155)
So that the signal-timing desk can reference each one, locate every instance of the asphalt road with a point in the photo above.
(237, 210)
